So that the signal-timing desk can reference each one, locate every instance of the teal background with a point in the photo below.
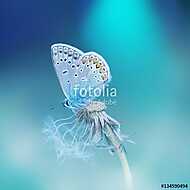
(145, 42)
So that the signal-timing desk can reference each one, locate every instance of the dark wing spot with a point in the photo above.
(64, 72)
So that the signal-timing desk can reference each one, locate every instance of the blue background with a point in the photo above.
(145, 42)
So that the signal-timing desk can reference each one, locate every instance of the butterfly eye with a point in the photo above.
(69, 62)
(66, 103)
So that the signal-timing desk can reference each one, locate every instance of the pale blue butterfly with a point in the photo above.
(90, 126)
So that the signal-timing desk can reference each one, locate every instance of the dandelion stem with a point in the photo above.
(125, 165)
(121, 152)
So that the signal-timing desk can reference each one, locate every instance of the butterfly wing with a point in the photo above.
(78, 71)
(65, 59)
(96, 71)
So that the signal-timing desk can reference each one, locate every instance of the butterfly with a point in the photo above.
(78, 73)
(90, 125)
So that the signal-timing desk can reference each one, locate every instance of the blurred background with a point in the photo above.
(147, 45)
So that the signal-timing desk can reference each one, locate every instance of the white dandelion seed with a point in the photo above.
(90, 126)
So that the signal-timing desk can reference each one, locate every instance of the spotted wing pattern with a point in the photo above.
(77, 71)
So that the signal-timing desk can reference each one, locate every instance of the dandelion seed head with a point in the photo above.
(77, 136)
(95, 106)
